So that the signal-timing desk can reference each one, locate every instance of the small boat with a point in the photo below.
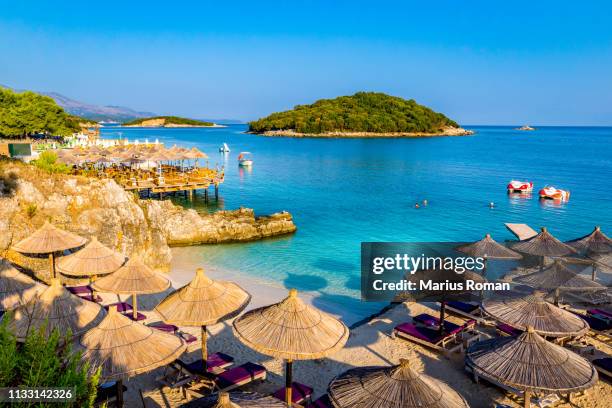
(244, 159)
(516, 186)
(225, 148)
(525, 128)
(553, 193)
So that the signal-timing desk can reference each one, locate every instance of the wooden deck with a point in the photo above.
(521, 231)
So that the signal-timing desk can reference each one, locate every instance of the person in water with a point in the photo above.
(425, 203)
(416, 205)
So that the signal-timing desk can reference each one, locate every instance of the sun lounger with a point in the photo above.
(178, 373)
(300, 393)
(85, 292)
(469, 310)
(600, 314)
(433, 321)
(322, 402)
(598, 326)
(506, 330)
(107, 393)
(239, 376)
(425, 336)
(604, 366)
(168, 328)
(127, 310)
(215, 364)
(189, 338)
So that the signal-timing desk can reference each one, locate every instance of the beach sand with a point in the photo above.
(369, 344)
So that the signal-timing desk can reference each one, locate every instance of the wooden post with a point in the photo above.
(190, 195)
(442, 313)
(527, 396)
(206, 195)
(216, 192)
(135, 307)
(594, 273)
(204, 349)
(288, 382)
(52, 265)
(119, 393)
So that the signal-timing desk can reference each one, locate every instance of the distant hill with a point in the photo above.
(167, 121)
(364, 114)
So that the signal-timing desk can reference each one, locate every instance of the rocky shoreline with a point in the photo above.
(100, 207)
(449, 131)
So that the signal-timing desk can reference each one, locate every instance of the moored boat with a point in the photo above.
(516, 186)
(553, 193)
(244, 159)
(224, 149)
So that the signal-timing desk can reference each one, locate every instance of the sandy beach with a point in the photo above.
(369, 344)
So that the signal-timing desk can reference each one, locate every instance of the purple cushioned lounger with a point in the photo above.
(189, 338)
(509, 330)
(464, 307)
(122, 307)
(600, 312)
(432, 321)
(241, 375)
(168, 328)
(422, 333)
(215, 363)
(80, 290)
(604, 365)
(595, 323)
(299, 393)
(322, 402)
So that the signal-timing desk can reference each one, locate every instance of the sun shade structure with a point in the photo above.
(124, 348)
(291, 330)
(203, 302)
(530, 364)
(56, 308)
(596, 242)
(93, 259)
(532, 310)
(236, 400)
(16, 288)
(544, 244)
(488, 248)
(134, 278)
(398, 386)
(49, 240)
(558, 276)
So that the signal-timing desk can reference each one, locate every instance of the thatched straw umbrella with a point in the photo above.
(16, 288)
(558, 277)
(124, 348)
(49, 240)
(56, 308)
(488, 248)
(542, 245)
(592, 245)
(203, 302)
(93, 260)
(533, 310)
(398, 386)
(530, 364)
(236, 400)
(291, 330)
(133, 278)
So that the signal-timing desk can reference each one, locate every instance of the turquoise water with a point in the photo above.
(345, 191)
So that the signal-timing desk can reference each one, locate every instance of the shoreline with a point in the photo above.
(371, 135)
(173, 126)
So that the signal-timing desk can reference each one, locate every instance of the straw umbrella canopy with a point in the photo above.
(92, 260)
(542, 245)
(291, 330)
(236, 400)
(56, 308)
(124, 348)
(203, 302)
(530, 364)
(488, 248)
(593, 245)
(16, 288)
(133, 278)
(49, 240)
(398, 386)
(532, 310)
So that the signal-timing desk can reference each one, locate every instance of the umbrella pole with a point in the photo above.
(119, 393)
(288, 381)
(52, 264)
(442, 313)
(134, 306)
(593, 273)
(527, 396)
(204, 348)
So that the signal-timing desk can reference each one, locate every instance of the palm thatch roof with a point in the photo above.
(530, 363)
(48, 239)
(236, 400)
(16, 288)
(399, 386)
(532, 310)
(488, 248)
(596, 242)
(123, 348)
(292, 330)
(133, 278)
(92, 260)
(56, 308)
(544, 244)
(558, 276)
(203, 302)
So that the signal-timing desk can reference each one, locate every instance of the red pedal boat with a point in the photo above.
(516, 186)
(553, 193)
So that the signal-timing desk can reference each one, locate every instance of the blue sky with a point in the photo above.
(480, 62)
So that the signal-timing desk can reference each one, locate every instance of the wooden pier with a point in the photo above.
(521, 231)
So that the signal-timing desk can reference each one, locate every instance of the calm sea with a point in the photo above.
(345, 191)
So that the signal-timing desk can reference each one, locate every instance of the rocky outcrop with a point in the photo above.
(120, 220)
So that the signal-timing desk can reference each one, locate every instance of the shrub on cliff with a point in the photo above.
(47, 161)
(45, 362)
(362, 112)
(28, 113)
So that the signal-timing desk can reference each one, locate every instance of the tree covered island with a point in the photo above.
(167, 121)
(364, 114)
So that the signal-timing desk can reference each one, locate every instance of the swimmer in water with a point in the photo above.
(416, 205)
(491, 204)
(425, 202)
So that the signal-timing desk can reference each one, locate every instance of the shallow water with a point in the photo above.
(345, 191)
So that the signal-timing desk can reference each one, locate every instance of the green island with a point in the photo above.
(167, 121)
(364, 114)
(24, 114)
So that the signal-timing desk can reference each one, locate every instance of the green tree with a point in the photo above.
(48, 162)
